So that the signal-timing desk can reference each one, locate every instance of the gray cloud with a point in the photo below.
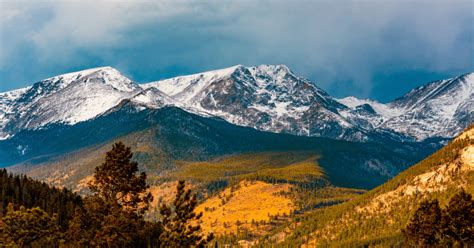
(346, 47)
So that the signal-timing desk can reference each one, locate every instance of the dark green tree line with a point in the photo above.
(23, 191)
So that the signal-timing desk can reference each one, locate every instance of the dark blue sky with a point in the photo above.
(375, 49)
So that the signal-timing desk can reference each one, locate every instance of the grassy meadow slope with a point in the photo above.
(247, 205)
(378, 216)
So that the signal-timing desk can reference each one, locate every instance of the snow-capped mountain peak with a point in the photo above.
(441, 108)
(59, 82)
(105, 75)
(112, 77)
(266, 97)
(69, 98)
(433, 90)
(277, 72)
(71, 76)
(194, 82)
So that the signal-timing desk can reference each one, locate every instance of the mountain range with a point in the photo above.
(237, 110)
(266, 97)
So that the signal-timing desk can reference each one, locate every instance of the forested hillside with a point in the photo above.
(379, 216)
(24, 191)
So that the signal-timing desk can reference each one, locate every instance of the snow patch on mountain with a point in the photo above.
(383, 110)
(152, 98)
(186, 87)
(6, 108)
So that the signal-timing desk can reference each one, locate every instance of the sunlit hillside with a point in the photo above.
(245, 197)
(245, 206)
(377, 217)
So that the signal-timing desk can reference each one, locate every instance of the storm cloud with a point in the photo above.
(377, 49)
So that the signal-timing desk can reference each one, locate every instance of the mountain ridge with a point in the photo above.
(266, 97)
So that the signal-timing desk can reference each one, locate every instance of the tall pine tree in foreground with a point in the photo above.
(114, 215)
(116, 181)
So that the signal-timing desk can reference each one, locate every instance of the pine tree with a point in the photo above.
(458, 221)
(452, 227)
(116, 181)
(424, 229)
(180, 223)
